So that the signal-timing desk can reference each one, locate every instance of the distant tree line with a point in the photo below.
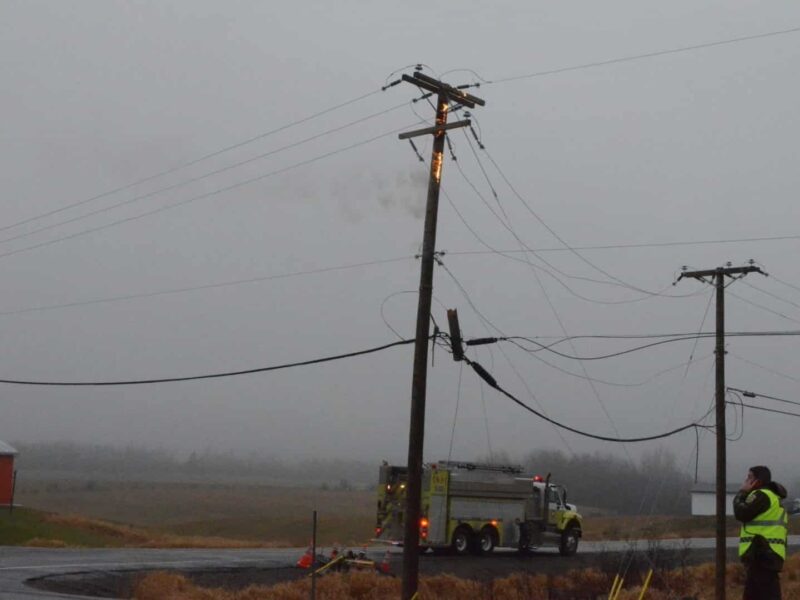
(96, 461)
(654, 485)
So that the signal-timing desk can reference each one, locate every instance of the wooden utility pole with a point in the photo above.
(446, 96)
(718, 276)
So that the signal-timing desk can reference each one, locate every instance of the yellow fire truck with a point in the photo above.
(473, 508)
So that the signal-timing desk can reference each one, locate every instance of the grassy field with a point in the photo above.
(264, 515)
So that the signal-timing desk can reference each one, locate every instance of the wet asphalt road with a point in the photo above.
(19, 565)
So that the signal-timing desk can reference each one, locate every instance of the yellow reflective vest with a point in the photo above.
(772, 525)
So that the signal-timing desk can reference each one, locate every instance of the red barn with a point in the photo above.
(7, 454)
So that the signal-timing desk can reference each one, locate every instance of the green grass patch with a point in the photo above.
(26, 526)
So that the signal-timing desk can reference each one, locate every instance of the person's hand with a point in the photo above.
(749, 484)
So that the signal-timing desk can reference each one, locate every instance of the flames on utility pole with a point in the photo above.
(718, 275)
(447, 95)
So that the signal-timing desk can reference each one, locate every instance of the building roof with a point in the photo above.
(710, 488)
(6, 450)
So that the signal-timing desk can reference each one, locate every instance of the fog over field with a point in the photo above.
(620, 174)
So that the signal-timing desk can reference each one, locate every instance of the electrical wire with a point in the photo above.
(639, 336)
(671, 339)
(492, 382)
(649, 379)
(762, 367)
(749, 394)
(697, 339)
(566, 245)
(487, 323)
(206, 286)
(203, 176)
(194, 161)
(642, 245)
(312, 361)
(513, 339)
(786, 283)
(524, 248)
(764, 308)
(771, 295)
(455, 415)
(208, 194)
(769, 410)
(635, 57)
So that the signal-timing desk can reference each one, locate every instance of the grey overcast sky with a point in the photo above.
(691, 146)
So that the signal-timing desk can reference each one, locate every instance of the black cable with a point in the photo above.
(600, 357)
(647, 55)
(638, 336)
(749, 394)
(193, 161)
(771, 410)
(487, 377)
(313, 361)
(621, 352)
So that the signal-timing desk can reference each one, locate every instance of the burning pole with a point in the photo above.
(446, 96)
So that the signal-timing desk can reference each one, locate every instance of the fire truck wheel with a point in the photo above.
(569, 541)
(487, 540)
(462, 540)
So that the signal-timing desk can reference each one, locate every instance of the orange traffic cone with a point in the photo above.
(384, 566)
(306, 560)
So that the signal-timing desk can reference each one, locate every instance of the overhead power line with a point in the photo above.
(635, 57)
(667, 244)
(205, 286)
(489, 379)
(763, 408)
(208, 194)
(193, 161)
(201, 177)
(748, 394)
(312, 361)
(670, 339)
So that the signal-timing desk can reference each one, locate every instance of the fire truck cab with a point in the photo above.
(473, 508)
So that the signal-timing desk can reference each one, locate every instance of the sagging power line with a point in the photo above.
(492, 382)
(302, 363)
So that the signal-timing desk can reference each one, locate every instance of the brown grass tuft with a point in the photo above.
(695, 581)
(45, 543)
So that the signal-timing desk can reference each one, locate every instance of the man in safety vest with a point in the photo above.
(762, 540)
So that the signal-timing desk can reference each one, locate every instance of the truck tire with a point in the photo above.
(462, 541)
(487, 540)
(569, 541)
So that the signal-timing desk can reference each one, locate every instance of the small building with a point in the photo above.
(7, 454)
(704, 499)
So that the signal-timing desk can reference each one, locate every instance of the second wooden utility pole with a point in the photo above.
(718, 275)
(446, 95)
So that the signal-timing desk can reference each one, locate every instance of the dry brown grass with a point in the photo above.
(695, 581)
(45, 543)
